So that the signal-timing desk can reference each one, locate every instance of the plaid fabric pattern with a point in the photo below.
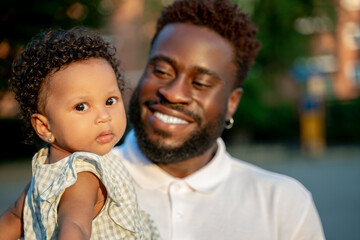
(120, 217)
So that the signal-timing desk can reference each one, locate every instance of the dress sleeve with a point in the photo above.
(153, 230)
(48, 184)
(55, 178)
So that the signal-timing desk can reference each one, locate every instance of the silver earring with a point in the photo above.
(229, 123)
(49, 139)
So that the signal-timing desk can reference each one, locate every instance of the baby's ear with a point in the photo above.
(42, 127)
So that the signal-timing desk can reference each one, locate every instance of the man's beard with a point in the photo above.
(196, 144)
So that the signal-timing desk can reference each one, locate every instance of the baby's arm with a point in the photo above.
(76, 207)
(11, 224)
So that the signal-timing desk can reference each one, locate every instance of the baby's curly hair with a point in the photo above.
(46, 53)
(224, 18)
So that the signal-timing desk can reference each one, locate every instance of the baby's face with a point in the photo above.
(85, 108)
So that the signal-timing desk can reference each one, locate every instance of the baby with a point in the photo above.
(68, 86)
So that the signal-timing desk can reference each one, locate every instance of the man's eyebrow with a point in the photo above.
(196, 69)
(207, 72)
(163, 58)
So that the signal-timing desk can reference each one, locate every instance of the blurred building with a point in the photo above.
(347, 80)
(333, 69)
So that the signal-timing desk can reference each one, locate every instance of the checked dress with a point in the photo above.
(120, 217)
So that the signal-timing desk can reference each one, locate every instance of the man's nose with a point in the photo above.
(103, 115)
(177, 90)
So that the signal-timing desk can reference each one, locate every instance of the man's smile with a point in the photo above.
(172, 113)
(169, 119)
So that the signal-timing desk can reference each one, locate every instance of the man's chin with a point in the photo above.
(172, 149)
(168, 142)
(165, 139)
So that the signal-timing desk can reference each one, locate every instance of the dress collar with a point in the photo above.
(149, 176)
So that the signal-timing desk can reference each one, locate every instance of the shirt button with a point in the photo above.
(176, 187)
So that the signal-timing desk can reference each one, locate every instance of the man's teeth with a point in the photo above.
(169, 119)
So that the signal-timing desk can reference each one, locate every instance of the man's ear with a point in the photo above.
(233, 101)
(42, 127)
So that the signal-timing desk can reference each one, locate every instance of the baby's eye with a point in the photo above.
(111, 101)
(81, 107)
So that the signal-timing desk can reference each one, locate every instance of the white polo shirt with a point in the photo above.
(226, 199)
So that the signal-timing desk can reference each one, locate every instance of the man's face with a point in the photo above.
(179, 108)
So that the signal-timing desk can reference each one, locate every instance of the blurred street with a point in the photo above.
(333, 178)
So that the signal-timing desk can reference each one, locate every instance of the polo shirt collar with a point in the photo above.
(149, 176)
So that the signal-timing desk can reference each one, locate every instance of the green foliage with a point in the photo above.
(264, 112)
(264, 120)
(281, 43)
(342, 121)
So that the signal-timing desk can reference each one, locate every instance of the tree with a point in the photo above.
(266, 111)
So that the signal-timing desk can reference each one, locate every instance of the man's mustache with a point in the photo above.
(175, 106)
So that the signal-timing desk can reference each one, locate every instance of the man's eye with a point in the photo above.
(111, 101)
(201, 85)
(159, 72)
(81, 107)
(163, 72)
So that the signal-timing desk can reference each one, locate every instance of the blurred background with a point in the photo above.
(300, 112)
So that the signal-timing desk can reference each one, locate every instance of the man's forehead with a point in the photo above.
(187, 34)
(191, 41)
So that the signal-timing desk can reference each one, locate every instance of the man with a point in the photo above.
(189, 91)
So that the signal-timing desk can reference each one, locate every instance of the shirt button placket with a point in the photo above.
(177, 189)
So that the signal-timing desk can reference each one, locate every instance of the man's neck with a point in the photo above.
(185, 168)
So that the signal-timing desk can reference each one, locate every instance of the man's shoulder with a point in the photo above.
(262, 178)
(118, 151)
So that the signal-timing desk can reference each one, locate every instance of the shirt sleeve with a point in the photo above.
(309, 226)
